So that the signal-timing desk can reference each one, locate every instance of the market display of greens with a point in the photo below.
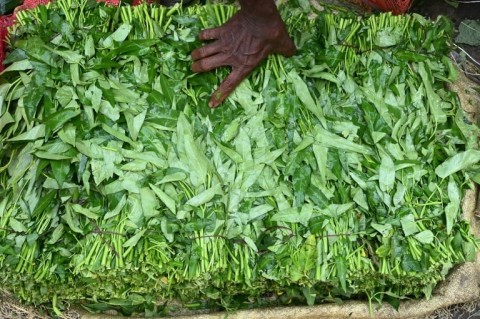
(335, 174)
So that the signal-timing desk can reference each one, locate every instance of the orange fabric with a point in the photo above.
(5, 23)
(30, 4)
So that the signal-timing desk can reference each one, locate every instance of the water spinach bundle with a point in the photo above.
(337, 173)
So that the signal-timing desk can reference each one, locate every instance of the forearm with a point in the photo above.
(259, 8)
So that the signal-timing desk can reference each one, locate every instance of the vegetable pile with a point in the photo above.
(334, 174)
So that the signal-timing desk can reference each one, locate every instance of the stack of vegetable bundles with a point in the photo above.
(337, 173)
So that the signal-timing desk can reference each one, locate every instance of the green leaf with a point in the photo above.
(60, 170)
(34, 133)
(386, 173)
(167, 200)
(328, 139)
(116, 133)
(68, 134)
(44, 202)
(122, 32)
(387, 37)
(341, 264)
(470, 251)
(382, 229)
(293, 215)
(409, 225)
(451, 213)
(102, 170)
(72, 221)
(337, 210)
(237, 158)
(174, 177)
(231, 130)
(108, 110)
(75, 73)
(18, 66)
(205, 196)
(434, 101)
(189, 152)
(360, 199)
(17, 226)
(94, 94)
(65, 95)
(88, 212)
(310, 295)
(72, 57)
(250, 243)
(31, 100)
(56, 235)
(399, 195)
(458, 162)
(51, 156)
(57, 120)
(469, 31)
(328, 77)
(167, 90)
(118, 209)
(149, 203)
(258, 212)
(137, 125)
(425, 237)
(301, 90)
(132, 241)
(321, 156)
(5, 119)
(89, 46)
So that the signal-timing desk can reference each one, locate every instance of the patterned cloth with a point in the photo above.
(395, 6)
(5, 23)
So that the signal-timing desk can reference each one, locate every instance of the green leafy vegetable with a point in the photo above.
(324, 175)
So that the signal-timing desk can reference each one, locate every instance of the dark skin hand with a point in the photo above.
(248, 38)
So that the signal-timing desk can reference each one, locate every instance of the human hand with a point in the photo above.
(241, 43)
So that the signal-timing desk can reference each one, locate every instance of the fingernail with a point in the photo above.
(214, 103)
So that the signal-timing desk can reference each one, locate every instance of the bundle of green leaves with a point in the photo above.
(334, 174)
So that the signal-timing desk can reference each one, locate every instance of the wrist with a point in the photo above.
(262, 10)
(261, 15)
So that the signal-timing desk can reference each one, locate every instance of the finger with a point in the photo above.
(210, 34)
(288, 49)
(207, 50)
(210, 63)
(228, 86)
